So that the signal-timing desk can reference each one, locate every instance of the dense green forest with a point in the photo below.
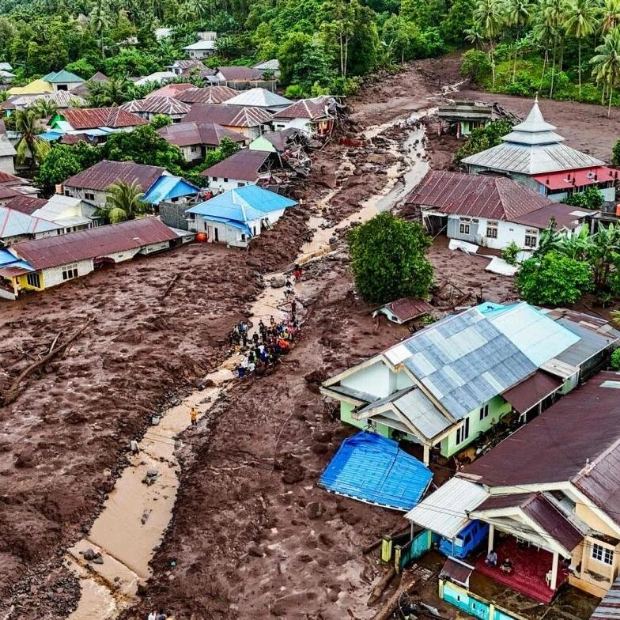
(321, 44)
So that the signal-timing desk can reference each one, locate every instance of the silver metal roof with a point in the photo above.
(421, 412)
(590, 343)
(259, 98)
(534, 123)
(445, 511)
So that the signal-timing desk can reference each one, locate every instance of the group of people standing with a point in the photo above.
(269, 341)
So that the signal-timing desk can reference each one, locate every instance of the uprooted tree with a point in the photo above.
(388, 258)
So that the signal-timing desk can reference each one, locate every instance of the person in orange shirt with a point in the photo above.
(193, 416)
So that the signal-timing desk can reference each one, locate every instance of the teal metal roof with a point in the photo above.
(61, 77)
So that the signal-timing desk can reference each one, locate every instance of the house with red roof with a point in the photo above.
(96, 123)
(491, 211)
(314, 116)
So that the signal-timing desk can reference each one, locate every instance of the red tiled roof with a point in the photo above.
(25, 204)
(157, 105)
(243, 165)
(240, 74)
(496, 198)
(105, 173)
(212, 94)
(577, 178)
(91, 118)
(190, 134)
(228, 115)
(312, 109)
(93, 242)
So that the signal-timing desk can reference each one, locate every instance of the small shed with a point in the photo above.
(464, 116)
(404, 310)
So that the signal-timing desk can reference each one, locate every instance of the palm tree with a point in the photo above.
(489, 18)
(29, 144)
(550, 23)
(606, 63)
(124, 201)
(45, 108)
(581, 23)
(114, 91)
(518, 15)
(474, 36)
(100, 24)
(610, 15)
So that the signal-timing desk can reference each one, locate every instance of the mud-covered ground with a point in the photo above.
(252, 536)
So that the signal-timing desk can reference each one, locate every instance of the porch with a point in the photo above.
(532, 569)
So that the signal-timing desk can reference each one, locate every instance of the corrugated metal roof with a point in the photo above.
(240, 74)
(93, 243)
(564, 216)
(228, 115)
(496, 198)
(25, 204)
(421, 412)
(609, 607)
(171, 90)
(260, 98)
(157, 77)
(577, 178)
(61, 77)
(157, 105)
(407, 309)
(590, 343)
(168, 187)
(244, 165)
(16, 224)
(92, 118)
(456, 571)
(268, 65)
(105, 173)
(201, 46)
(6, 148)
(311, 109)
(373, 469)
(211, 94)
(532, 390)
(192, 134)
(445, 511)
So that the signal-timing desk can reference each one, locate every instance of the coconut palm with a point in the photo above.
(610, 15)
(124, 201)
(474, 36)
(29, 146)
(551, 20)
(113, 91)
(581, 23)
(100, 23)
(606, 63)
(489, 17)
(518, 15)
(45, 108)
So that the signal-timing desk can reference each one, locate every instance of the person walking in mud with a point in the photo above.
(193, 416)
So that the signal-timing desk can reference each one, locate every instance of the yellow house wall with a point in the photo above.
(594, 577)
(23, 283)
(587, 515)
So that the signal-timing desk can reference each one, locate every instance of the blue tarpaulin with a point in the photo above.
(373, 469)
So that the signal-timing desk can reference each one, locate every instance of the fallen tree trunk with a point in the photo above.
(12, 392)
(379, 589)
(386, 611)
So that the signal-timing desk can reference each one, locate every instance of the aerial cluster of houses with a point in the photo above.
(238, 103)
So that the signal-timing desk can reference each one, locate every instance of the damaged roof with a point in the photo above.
(312, 109)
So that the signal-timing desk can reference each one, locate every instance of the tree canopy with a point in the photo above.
(388, 259)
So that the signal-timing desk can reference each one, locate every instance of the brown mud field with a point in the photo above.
(252, 536)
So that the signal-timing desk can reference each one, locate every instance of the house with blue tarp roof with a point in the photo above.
(449, 384)
(238, 215)
(375, 470)
(10, 267)
(170, 189)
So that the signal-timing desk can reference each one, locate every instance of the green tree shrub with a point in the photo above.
(483, 138)
(553, 279)
(510, 253)
(615, 360)
(591, 198)
(476, 66)
(59, 164)
(388, 259)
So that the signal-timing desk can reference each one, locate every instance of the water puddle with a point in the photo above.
(135, 515)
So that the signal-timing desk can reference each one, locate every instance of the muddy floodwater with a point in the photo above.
(136, 514)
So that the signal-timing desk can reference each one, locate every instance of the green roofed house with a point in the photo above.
(62, 80)
(452, 382)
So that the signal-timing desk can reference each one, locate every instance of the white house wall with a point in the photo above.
(7, 164)
(155, 247)
(100, 197)
(53, 275)
(224, 185)
(375, 380)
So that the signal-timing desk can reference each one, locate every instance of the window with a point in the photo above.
(484, 412)
(67, 192)
(492, 229)
(70, 271)
(463, 432)
(225, 180)
(464, 228)
(33, 279)
(602, 554)
(214, 178)
(531, 237)
(89, 196)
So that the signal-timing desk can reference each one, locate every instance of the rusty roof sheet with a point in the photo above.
(609, 607)
(105, 173)
(228, 115)
(565, 216)
(26, 204)
(407, 309)
(457, 571)
(10, 179)
(496, 198)
(212, 94)
(91, 118)
(576, 440)
(190, 134)
(240, 74)
(93, 242)
(244, 165)
(170, 90)
(530, 392)
(157, 105)
(312, 109)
